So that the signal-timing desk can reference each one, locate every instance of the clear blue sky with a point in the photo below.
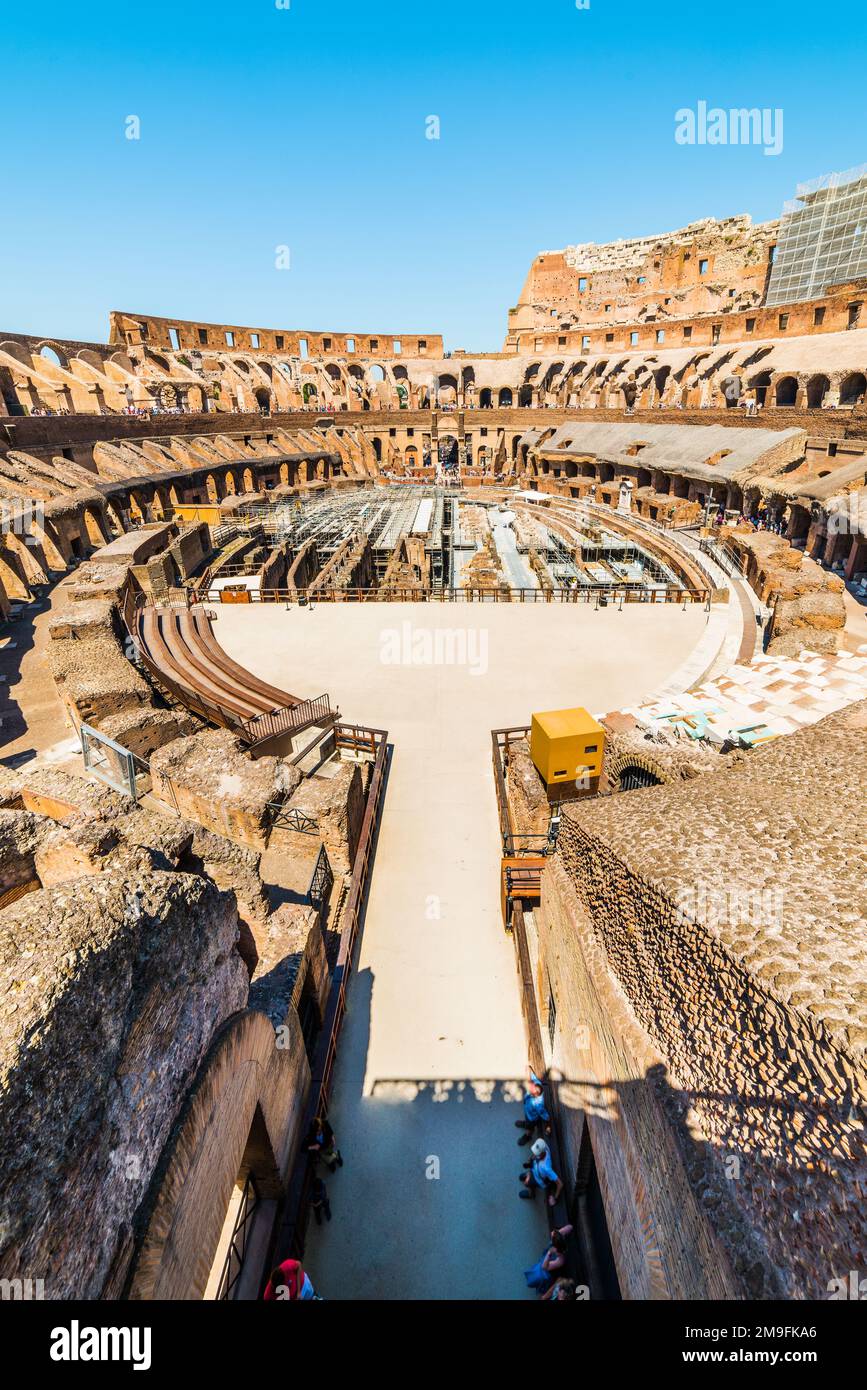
(306, 127)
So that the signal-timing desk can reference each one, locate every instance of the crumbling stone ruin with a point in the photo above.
(716, 968)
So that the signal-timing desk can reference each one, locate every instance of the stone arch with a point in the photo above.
(31, 559)
(54, 548)
(9, 392)
(96, 531)
(138, 506)
(786, 391)
(12, 575)
(505, 398)
(486, 398)
(631, 769)
(249, 480)
(114, 520)
(817, 389)
(759, 385)
(161, 503)
(853, 388)
(448, 449)
(660, 380)
(51, 355)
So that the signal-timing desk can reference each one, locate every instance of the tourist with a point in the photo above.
(541, 1174)
(561, 1291)
(289, 1283)
(540, 1276)
(321, 1144)
(319, 1202)
(536, 1115)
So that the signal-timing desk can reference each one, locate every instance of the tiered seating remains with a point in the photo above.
(179, 649)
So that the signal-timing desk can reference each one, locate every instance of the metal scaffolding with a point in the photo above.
(823, 238)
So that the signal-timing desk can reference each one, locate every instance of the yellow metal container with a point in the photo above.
(567, 745)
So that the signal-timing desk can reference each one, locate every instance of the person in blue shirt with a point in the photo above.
(536, 1117)
(541, 1174)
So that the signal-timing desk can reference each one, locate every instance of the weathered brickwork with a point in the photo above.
(704, 942)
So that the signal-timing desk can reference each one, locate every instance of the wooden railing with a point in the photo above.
(523, 855)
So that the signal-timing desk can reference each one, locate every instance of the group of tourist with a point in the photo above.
(539, 1175)
(289, 1281)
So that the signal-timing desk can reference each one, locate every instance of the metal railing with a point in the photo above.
(725, 556)
(625, 591)
(529, 843)
(290, 1235)
(285, 817)
(322, 881)
(236, 1253)
(289, 719)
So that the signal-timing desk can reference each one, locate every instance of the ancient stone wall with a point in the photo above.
(101, 1034)
(808, 609)
(703, 942)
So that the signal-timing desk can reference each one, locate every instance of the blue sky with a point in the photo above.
(305, 127)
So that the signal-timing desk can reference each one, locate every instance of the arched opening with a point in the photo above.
(817, 389)
(485, 398)
(252, 1207)
(377, 448)
(447, 390)
(760, 385)
(505, 396)
(525, 395)
(633, 778)
(660, 377)
(853, 388)
(377, 373)
(94, 529)
(9, 394)
(786, 392)
(448, 453)
(263, 399)
(50, 355)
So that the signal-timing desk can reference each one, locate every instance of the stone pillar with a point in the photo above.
(857, 558)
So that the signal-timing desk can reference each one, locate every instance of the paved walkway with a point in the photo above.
(432, 1049)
